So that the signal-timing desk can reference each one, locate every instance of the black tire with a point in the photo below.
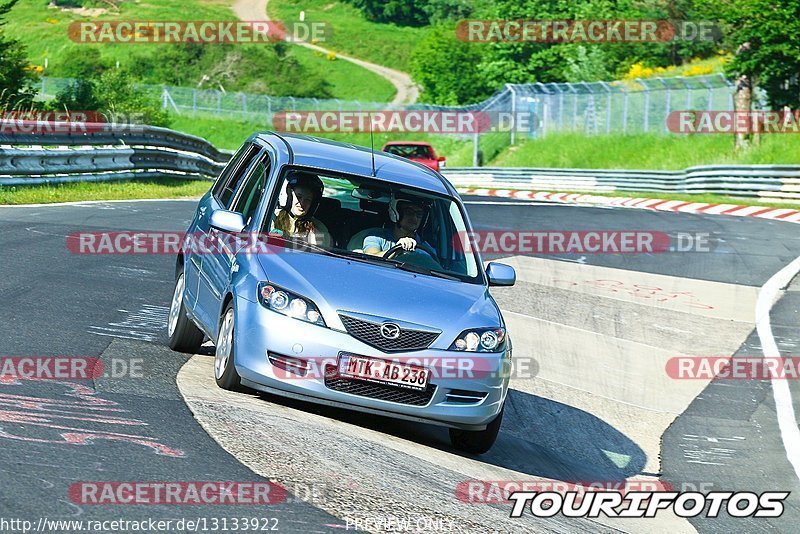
(225, 372)
(184, 336)
(477, 441)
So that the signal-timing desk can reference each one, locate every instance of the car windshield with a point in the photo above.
(370, 220)
(409, 151)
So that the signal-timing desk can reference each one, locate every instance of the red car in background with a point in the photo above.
(418, 151)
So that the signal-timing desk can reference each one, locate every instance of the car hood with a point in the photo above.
(336, 284)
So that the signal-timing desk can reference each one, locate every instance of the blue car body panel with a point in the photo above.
(341, 285)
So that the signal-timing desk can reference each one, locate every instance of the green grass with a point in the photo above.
(348, 81)
(44, 30)
(352, 33)
(656, 152)
(44, 33)
(164, 188)
(229, 134)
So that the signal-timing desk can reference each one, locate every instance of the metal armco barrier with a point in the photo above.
(767, 181)
(112, 152)
(101, 152)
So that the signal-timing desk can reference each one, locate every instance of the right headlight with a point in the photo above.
(285, 302)
(481, 340)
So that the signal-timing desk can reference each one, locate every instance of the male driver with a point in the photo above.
(407, 216)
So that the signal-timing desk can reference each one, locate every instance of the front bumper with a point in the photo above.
(259, 331)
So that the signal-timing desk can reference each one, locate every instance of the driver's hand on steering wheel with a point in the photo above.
(408, 243)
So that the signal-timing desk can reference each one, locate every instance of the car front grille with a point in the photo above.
(382, 392)
(370, 333)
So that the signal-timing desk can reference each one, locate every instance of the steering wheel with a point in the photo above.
(394, 251)
(417, 257)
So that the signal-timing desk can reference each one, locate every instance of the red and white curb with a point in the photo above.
(763, 212)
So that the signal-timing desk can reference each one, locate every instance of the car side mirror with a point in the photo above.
(226, 221)
(501, 274)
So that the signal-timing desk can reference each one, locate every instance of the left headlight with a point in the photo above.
(481, 340)
(285, 302)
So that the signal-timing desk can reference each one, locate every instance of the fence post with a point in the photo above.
(574, 106)
(219, 102)
(560, 106)
(475, 149)
(688, 92)
(591, 110)
(244, 103)
(510, 87)
(542, 108)
(194, 102)
(608, 106)
(666, 101)
(709, 94)
(646, 125)
(624, 109)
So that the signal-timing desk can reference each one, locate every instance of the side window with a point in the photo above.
(229, 180)
(249, 194)
(219, 185)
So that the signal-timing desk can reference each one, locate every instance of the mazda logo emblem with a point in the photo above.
(390, 330)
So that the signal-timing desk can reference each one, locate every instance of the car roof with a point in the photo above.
(309, 151)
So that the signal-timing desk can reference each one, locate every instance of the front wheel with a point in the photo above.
(184, 336)
(477, 441)
(224, 369)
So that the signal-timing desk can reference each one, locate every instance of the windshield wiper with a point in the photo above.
(405, 266)
(410, 267)
(368, 258)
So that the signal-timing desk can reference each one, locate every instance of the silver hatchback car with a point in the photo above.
(329, 273)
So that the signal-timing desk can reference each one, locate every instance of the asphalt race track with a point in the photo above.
(598, 328)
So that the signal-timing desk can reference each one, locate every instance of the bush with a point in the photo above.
(16, 75)
(83, 62)
(114, 95)
(444, 66)
(263, 68)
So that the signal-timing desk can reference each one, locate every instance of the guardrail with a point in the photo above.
(102, 152)
(111, 152)
(780, 182)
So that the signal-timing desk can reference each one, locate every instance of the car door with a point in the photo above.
(219, 267)
(222, 197)
(192, 260)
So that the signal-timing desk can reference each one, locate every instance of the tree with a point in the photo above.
(16, 77)
(83, 61)
(446, 69)
(765, 35)
(400, 12)
(537, 61)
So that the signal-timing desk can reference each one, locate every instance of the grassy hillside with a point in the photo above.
(352, 33)
(645, 151)
(229, 134)
(44, 32)
(348, 81)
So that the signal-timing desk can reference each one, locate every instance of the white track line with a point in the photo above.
(787, 422)
(90, 202)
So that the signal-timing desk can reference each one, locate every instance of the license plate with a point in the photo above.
(383, 371)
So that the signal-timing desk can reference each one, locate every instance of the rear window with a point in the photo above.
(410, 151)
